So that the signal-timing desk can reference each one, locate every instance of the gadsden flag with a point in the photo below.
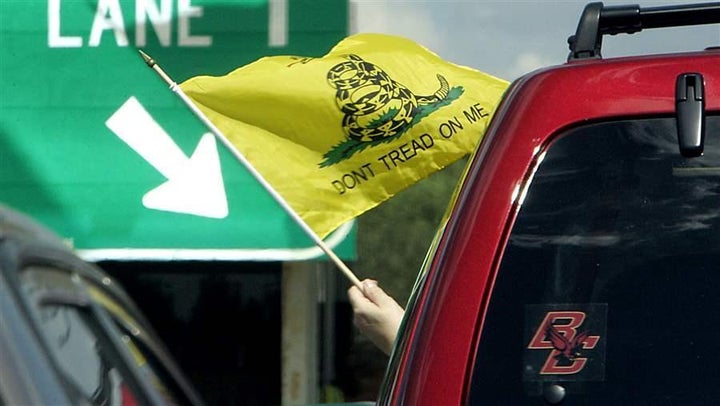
(340, 134)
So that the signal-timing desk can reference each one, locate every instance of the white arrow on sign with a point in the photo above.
(194, 186)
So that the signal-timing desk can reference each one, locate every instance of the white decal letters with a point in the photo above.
(185, 12)
(159, 18)
(55, 38)
(108, 16)
(170, 20)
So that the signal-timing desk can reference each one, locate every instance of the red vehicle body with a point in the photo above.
(438, 348)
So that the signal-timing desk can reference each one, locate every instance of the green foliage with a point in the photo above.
(394, 237)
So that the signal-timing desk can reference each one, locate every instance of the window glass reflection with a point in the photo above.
(608, 285)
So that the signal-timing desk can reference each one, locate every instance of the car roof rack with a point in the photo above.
(598, 20)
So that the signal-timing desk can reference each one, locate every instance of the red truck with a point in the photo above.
(579, 262)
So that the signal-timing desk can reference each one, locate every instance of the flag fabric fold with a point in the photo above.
(337, 135)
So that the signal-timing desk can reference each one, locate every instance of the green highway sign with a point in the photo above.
(94, 144)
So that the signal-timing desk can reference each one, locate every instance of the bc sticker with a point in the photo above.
(565, 342)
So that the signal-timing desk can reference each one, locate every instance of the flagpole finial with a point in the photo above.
(148, 60)
(154, 66)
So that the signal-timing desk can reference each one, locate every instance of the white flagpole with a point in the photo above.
(240, 157)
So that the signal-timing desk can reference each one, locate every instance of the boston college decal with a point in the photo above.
(565, 342)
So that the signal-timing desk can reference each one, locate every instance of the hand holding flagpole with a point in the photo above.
(240, 157)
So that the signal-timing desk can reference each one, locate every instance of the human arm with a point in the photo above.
(376, 314)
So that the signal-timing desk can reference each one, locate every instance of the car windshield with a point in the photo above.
(607, 292)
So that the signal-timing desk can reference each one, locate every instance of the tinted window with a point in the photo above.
(82, 356)
(144, 358)
(608, 289)
(99, 360)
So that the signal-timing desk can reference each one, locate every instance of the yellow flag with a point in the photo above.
(337, 135)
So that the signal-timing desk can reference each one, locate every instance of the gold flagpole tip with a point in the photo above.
(148, 60)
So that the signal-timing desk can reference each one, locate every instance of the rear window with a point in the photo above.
(609, 288)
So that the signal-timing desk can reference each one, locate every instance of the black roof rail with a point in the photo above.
(598, 20)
